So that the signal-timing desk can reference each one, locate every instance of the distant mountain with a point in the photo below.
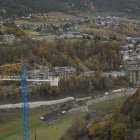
(129, 6)
(21, 7)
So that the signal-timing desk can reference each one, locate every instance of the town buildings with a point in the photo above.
(131, 59)
(61, 72)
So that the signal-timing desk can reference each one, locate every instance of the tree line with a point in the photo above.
(74, 86)
(82, 54)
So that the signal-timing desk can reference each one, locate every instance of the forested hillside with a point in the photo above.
(80, 54)
(22, 7)
(128, 6)
(125, 125)
(101, 56)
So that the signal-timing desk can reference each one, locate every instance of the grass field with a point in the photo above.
(11, 127)
(110, 104)
(105, 109)
(51, 18)
(32, 33)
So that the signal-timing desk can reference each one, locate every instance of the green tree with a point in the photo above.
(119, 132)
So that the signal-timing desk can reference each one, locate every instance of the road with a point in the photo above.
(37, 104)
(112, 96)
(82, 108)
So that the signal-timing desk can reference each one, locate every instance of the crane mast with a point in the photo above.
(25, 115)
(23, 78)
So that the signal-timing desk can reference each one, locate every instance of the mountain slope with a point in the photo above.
(131, 6)
(22, 7)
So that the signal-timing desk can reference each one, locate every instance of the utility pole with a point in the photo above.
(35, 136)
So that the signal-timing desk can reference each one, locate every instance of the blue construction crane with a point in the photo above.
(24, 104)
(23, 78)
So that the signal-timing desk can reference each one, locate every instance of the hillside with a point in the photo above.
(128, 6)
(22, 7)
(129, 118)
(123, 125)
